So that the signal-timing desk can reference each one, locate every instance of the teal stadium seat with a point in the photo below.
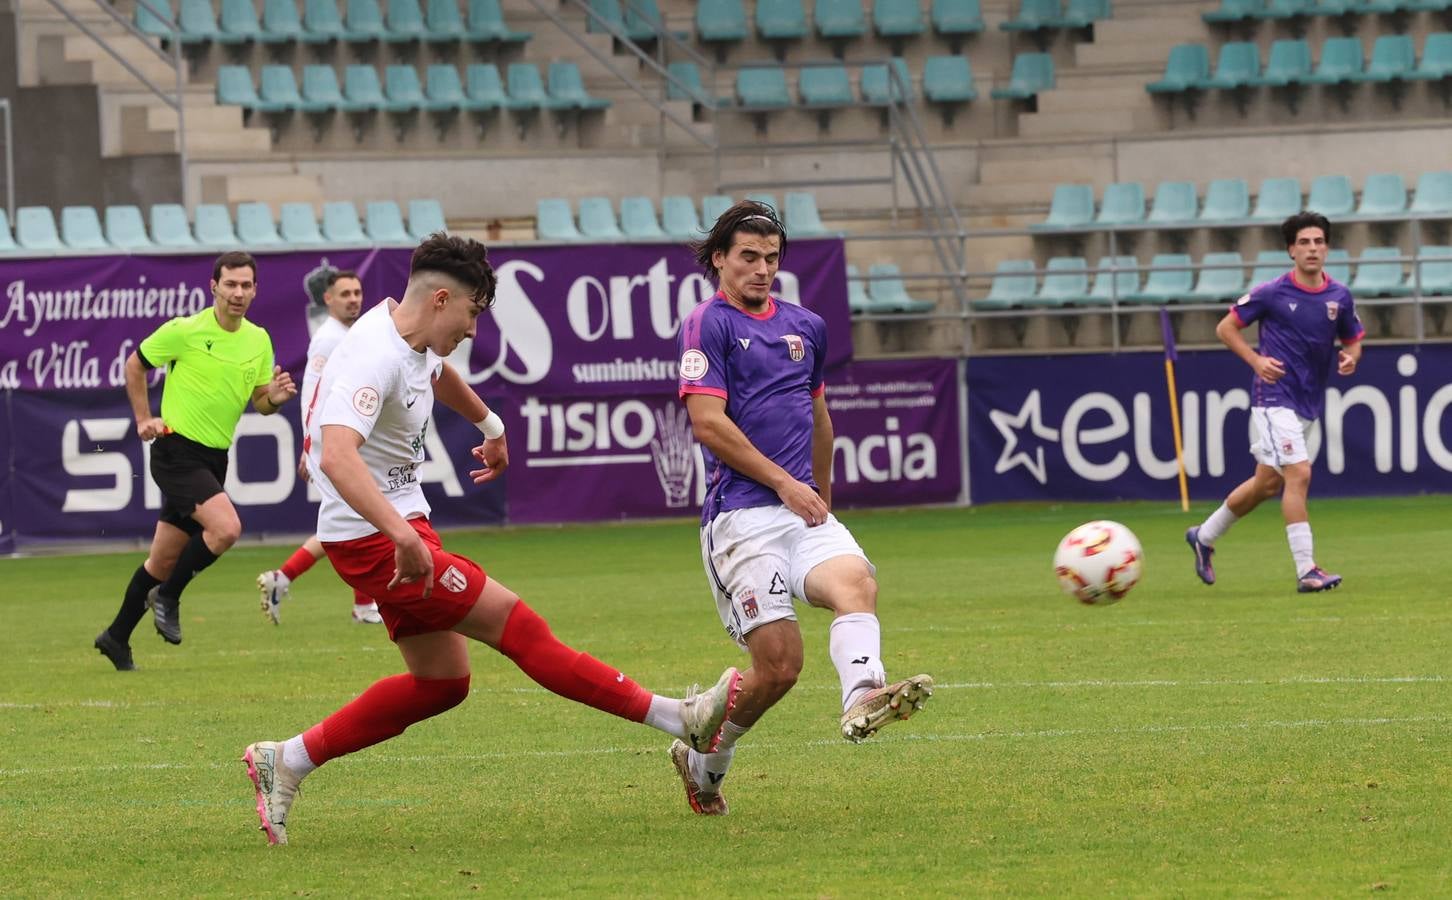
(320, 88)
(125, 229)
(426, 217)
(340, 223)
(1435, 270)
(198, 23)
(554, 221)
(887, 290)
(801, 217)
(1066, 283)
(1175, 203)
(1239, 66)
(487, 25)
(1032, 72)
(780, 20)
(1163, 285)
(1233, 11)
(237, 23)
(527, 90)
(1436, 62)
(1227, 200)
(720, 21)
(35, 229)
(643, 21)
(1034, 15)
(1379, 274)
(80, 229)
(1071, 207)
(321, 22)
(1279, 198)
(607, 19)
(1110, 287)
(363, 21)
(277, 90)
(445, 90)
(897, 18)
(1219, 284)
(1434, 194)
(762, 87)
(443, 21)
(405, 22)
(1338, 266)
(766, 197)
(857, 300)
(1380, 7)
(384, 222)
(712, 207)
(1335, 7)
(949, 79)
(957, 17)
(685, 84)
(148, 22)
(1331, 196)
(1187, 69)
(1084, 13)
(638, 221)
(880, 89)
(1286, 9)
(679, 219)
(1341, 62)
(1270, 265)
(1122, 204)
(825, 86)
(1383, 195)
(213, 225)
(484, 87)
(1288, 63)
(235, 88)
(362, 91)
(839, 19)
(567, 87)
(255, 226)
(298, 224)
(1393, 58)
(169, 226)
(1014, 284)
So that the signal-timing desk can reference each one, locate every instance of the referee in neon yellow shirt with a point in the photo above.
(216, 361)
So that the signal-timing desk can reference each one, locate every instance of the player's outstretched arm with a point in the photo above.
(721, 436)
(148, 427)
(454, 392)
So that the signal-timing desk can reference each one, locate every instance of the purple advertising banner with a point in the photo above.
(1097, 427)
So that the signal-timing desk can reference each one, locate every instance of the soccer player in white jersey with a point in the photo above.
(751, 377)
(1303, 315)
(343, 299)
(364, 448)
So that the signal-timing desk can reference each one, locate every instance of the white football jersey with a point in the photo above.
(325, 340)
(380, 387)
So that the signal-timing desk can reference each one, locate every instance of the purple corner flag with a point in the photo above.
(1169, 335)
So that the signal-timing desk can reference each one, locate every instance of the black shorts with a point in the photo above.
(189, 474)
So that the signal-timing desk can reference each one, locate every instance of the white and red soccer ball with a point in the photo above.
(1098, 562)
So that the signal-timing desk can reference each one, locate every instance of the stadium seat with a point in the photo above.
(857, 299)
(483, 87)
(198, 22)
(1072, 207)
(949, 79)
(363, 21)
(801, 216)
(879, 89)
(1066, 282)
(149, 23)
(234, 88)
(607, 19)
(762, 86)
(125, 229)
(321, 22)
(1122, 204)
(1434, 194)
(1384, 194)
(405, 22)
(1032, 72)
(486, 24)
(1187, 69)
(426, 217)
(1331, 196)
(637, 219)
(401, 90)
(766, 197)
(679, 219)
(320, 88)
(1084, 13)
(1278, 199)
(213, 225)
(1338, 266)
(1393, 58)
(1175, 203)
(1239, 66)
(1379, 279)
(169, 226)
(554, 221)
(839, 19)
(298, 224)
(952, 18)
(80, 229)
(277, 90)
(897, 18)
(1436, 62)
(1034, 15)
(685, 84)
(1227, 200)
(780, 20)
(1340, 63)
(443, 22)
(643, 21)
(1014, 284)
(255, 226)
(237, 22)
(824, 86)
(384, 222)
(445, 90)
(1114, 286)
(886, 289)
(340, 223)
(720, 21)
(362, 91)
(1270, 265)
(1163, 286)
(1288, 63)
(527, 90)
(567, 87)
(1380, 7)
(1435, 270)
(712, 207)
(1232, 11)
(1285, 9)
(1219, 284)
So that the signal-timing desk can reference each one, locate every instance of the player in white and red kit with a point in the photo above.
(343, 299)
(751, 375)
(364, 448)
(1302, 315)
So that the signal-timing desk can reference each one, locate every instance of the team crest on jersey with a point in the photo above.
(365, 400)
(1287, 447)
(748, 603)
(694, 365)
(1331, 310)
(795, 348)
(453, 580)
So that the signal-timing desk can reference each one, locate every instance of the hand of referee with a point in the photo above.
(280, 389)
(150, 429)
(412, 562)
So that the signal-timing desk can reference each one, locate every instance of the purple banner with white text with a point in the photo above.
(1097, 427)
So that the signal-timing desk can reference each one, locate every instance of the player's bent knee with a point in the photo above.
(777, 676)
(441, 694)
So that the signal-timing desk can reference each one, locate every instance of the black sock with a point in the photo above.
(195, 557)
(133, 605)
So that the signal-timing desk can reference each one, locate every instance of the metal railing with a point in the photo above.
(9, 132)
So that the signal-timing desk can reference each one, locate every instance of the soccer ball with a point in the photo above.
(1098, 562)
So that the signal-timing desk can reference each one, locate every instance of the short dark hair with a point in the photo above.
(1305, 219)
(234, 259)
(463, 259)
(750, 216)
(336, 274)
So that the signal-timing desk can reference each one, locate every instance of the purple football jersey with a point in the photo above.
(1299, 326)
(768, 368)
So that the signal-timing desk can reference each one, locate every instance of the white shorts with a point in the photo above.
(1278, 436)
(757, 560)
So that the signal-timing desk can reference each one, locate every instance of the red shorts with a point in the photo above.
(366, 564)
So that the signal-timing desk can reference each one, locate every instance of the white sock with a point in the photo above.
(1215, 526)
(856, 649)
(665, 714)
(708, 770)
(295, 756)
(1299, 537)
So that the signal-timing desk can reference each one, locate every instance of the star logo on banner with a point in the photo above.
(1008, 425)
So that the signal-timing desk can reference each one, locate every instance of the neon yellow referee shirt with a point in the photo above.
(210, 376)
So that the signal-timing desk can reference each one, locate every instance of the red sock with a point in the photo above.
(361, 599)
(383, 711)
(300, 561)
(571, 674)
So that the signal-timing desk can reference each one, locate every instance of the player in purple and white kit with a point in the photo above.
(751, 378)
(1302, 316)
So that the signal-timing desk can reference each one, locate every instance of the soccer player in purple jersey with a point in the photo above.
(751, 378)
(1302, 316)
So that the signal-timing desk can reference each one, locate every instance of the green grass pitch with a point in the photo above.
(1240, 740)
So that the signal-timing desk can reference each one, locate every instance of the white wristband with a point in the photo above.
(491, 425)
